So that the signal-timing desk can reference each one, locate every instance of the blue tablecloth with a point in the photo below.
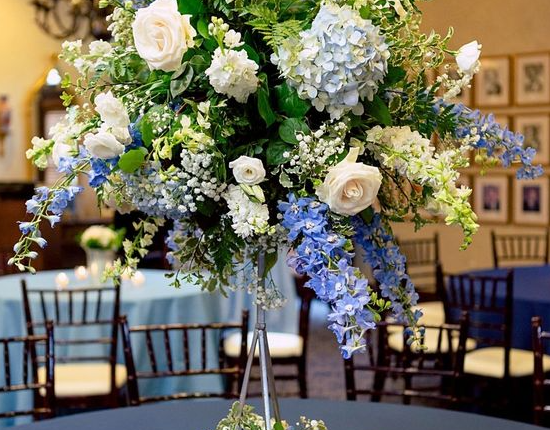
(531, 297)
(204, 415)
(152, 303)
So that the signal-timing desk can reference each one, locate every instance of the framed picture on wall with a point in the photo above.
(492, 83)
(531, 201)
(465, 96)
(536, 132)
(491, 198)
(532, 79)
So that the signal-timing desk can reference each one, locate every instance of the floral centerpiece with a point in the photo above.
(100, 244)
(248, 125)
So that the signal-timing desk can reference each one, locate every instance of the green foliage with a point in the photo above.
(378, 110)
(274, 152)
(132, 160)
(289, 127)
(181, 79)
(191, 7)
(289, 102)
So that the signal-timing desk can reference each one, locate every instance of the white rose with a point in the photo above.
(111, 110)
(60, 150)
(100, 48)
(350, 187)
(247, 170)
(162, 35)
(103, 145)
(122, 134)
(468, 56)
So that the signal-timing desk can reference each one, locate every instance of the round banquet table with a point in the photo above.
(531, 297)
(153, 302)
(204, 415)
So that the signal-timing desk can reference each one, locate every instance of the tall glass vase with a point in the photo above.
(259, 340)
(97, 260)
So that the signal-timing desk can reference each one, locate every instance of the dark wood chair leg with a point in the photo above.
(302, 378)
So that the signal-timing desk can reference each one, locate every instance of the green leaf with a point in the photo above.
(270, 261)
(192, 7)
(289, 102)
(146, 130)
(275, 151)
(200, 62)
(378, 110)
(181, 80)
(289, 127)
(202, 28)
(206, 207)
(252, 54)
(278, 426)
(395, 74)
(132, 160)
(264, 108)
(367, 215)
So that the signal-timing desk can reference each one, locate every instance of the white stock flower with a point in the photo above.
(248, 170)
(100, 48)
(162, 35)
(247, 217)
(233, 73)
(350, 187)
(103, 145)
(468, 56)
(111, 110)
(232, 39)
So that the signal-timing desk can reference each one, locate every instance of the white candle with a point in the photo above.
(138, 279)
(62, 280)
(81, 273)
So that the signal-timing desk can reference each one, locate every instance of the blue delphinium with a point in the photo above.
(498, 141)
(321, 254)
(389, 267)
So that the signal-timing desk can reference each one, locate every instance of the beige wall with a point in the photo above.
(503, 27)
(25, 53)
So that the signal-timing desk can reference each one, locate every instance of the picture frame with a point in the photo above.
(531, 201)
(491, 198)
(466, 96)
(532, 79)
(536, 131)
(492, 83)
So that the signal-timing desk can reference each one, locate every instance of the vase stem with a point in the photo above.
(259, 340)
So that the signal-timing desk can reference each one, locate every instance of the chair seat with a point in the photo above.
(84, 379)
(489, 362)
(433, 313)
(281, 345)
(431, 335)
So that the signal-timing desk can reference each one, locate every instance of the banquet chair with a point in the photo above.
(423, 265)
(287, 350)
(514, 249)
(488, 299)
(21, 359)
(196, 357)
(86, 328)
(427, 372)
(541, 341)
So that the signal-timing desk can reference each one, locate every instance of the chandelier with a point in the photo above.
(65, 18)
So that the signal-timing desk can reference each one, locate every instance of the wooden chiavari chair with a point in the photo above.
(196, 357)
(21, 358)
(541, 384)
(418, 364)
(287, 350)
(513, 249)
(86, 320)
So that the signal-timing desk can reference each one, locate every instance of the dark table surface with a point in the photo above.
(204, 415)
(531, 298)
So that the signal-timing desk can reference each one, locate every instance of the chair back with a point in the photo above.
(201, 349)
(417, 364)
(514, 249)
(541, 341)
(21, 357)
(306, 296)
(423, 263)
(76, 313)
(489, 301)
